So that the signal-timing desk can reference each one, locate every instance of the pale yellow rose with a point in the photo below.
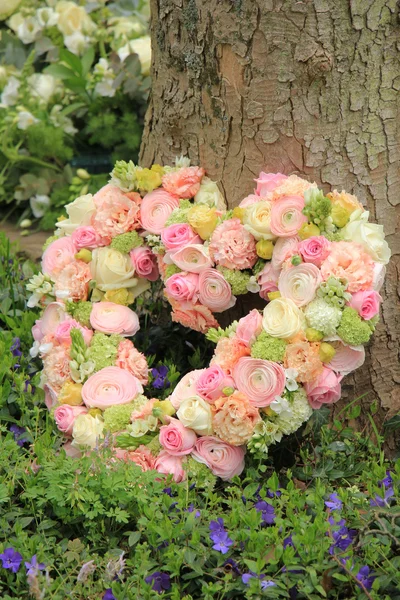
(282, 318)
(209, 194)
(347, 201)
(195, 413)
(203, 220)
(7, 7)
(112, 270)
(80, 212)
(370, 235)
(73, 18)
(257, 220)
(142, 47)
(87, 430)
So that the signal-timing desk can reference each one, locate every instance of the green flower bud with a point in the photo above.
(84, 254)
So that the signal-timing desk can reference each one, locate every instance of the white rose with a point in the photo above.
(26, 119)
(27, 30)
(370, 235)
(46, 17)
(80, 212)
(209, 194)
(257, 220)
(142, 47)
(87, 430)
(76, 43)
(39, 204)
(195, 413)
(43, 86)
(7, 7)
(9, 97)
(282, 318)
(113, 270)
(73, 18)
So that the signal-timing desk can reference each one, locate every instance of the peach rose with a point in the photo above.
(145, 263)
(214, 291)
(186, 388)
(249, 327)
(65, 416)
(177, 439)
(183, 287)
(300, 283)
(287, 216)
(156, 207)
(234, 419)
(86, 237)
(141, 457)
(184, 183)
(58, 254)
(170, 465)
(314, 249)
(211, 383)
(227, 353)
(284, 250)
(348, 261)
(130, 359)
(347, 358)
(268, 182)
(224, 460)
(232, 246)
(268, 280)
(110, 386)
(193, 258)
(259, 380)
(62, 334)
(366, 304)
(194, 316)
(181, 234)
(110, 318)
(324, 390)
(72, 281)
(304, 358)
(116, 212)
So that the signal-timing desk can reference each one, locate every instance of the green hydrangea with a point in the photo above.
(300, 412)
(154, 445)
(116, 418)
(372, 323)
(80, 311)
(352, 329)
(171, 270)
(323, 317)
(258, 267)
(333, 292)
(318, 210)
(267, 347)
(214, 335)
(125, 242)
(179, 215)
(238, 280)
(103, 350)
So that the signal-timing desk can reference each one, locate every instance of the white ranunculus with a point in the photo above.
(80, 212)
(47, 17)
(112, 270)
(9, 97)
(142, 47)
(257, 220)
(27, 31)
(43, 86)
(87, 430)
(26, 119)
(73, 18)
(370, 235)
(195, 413)
(39, 204)
(209, 194)
(76, 43)
(7, 7)
(282, 318)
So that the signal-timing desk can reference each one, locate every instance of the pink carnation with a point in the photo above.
(228, 352)
(72, 281)
(58, 254)
(224, 460)
(65, 416)
(116, 212)
(232, 246)
(63, 332)
(145, 263)
(214, 291)
(211, 383)
(170, 465)
(366, 303)
(183, 287)
(86, 237)
(184, 183)
(260, 380)
(130, 359)
(56, 367)
(141, 457)
(249, 327)
(348, 260)
(268, 280)
(194, 316)
(156, 208)
(325, 389)
(268, 182)
(287, 216)
(314, 249)
(177, 439)
(111, 318)
(181, 234)
(110, 386)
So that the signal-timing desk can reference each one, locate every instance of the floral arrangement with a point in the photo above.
(314, 259)
(74, 78)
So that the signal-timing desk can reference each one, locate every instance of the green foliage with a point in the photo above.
(46, 142)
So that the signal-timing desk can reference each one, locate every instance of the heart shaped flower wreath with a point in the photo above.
(315, 260)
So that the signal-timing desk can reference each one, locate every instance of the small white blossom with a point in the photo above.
(39, 204)
(9, 97)
(76, 43)
(252, 285)
(26, 119)
(182, 162)
(291, 383)
(46, 17)
(29, 28)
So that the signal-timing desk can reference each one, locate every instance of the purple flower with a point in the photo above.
(267, 511)
(288, 541)
(217, 526)
(11, 559)
(265, 583)
(342, 538)
(168, 491)
(190, 509)
(15, 348)
(33, 567)
(382, 502)
(160, 377)
(19, 436)
(160, 581)
(386, 481)
(108, 595)
(334, 502)
(272, 494)
(365, 577)
(222, 542)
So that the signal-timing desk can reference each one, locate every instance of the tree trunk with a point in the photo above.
(308, 87)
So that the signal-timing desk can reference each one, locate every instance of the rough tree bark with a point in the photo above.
(308, 87)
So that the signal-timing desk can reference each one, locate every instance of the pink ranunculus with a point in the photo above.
(86, 237)
(145, 263)
(268, 182)
(116, 212)
(193, 258)
(259, 380)
(287, 216)
(268, 280)
(186, 388)
(224, 460)
(180, 234)
(283, 250)
(132, 360)
(347, 358)
(177, 439)
(183, 287)
(184, 183)
(194, 316)
(249, 327)
(58, 254)
(300, 283)
(50, 396)
(366, 303)
(249, 200)
(53, 315)
(349, 261)
(214, 291)
(108, 317)
(156, 207)
(72, 281)
(141, 456)
(168, 464)
(62, 334)
(110, 386)
(232, 246)
(325, 389)
(65, 416)
(314, 249)
(211, 383)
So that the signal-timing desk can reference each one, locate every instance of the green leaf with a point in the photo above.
(72, 60)
(87, 61)
(393, 423)
(133, 538)
(59, 71)
(72, 108)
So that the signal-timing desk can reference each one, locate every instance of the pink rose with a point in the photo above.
(58, 254)
(214, 291)
(63, 332)
(224, 460)
(347, 358)
(183, 287)
(132, 360)
(268, 280)
(145, 263)
(65, 416)
(193, 258)
(110, 318)
(181, 234)
(314, 249)
(300, 283)
(249, 200)
(287, 216)
(156, 207)
(259, 380)
(186, 388)
(141, 456)
(283, 250)
(193, 316)
(268, 182)
(170, 465)
(366, 304)
(177, 439)
(211, 383)
(72, 281)
(116, 212)
(249, 327)
(325, 389)
(110, 386)
(232, 246)
(50, 396)
(86, 237)
(184, 183)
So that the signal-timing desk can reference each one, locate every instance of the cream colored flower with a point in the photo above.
(370, 235)
(124, 27)
(42, 86)
(142, 47)
(87, 430)
(73, 18)
(209, 194)
(195, 413)
(7, 7)
(257, 220)
(282, 318)
(80, 213)
(113, 270)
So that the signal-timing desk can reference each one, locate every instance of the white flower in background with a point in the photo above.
(181, 162)
(370, 235)
(291, 383)
(104, 86)
(209, 194)
(125, 27)
(141, 47)
(43, 86)
(77, 43)
(73, 18)
(26, 119)
(39, 348)
(40, 285)
(279, 405)
(7, 7)
(252, 285)
(60, 120)
(47, 17)
(39, 204)
(27, 30)
(9, 97)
